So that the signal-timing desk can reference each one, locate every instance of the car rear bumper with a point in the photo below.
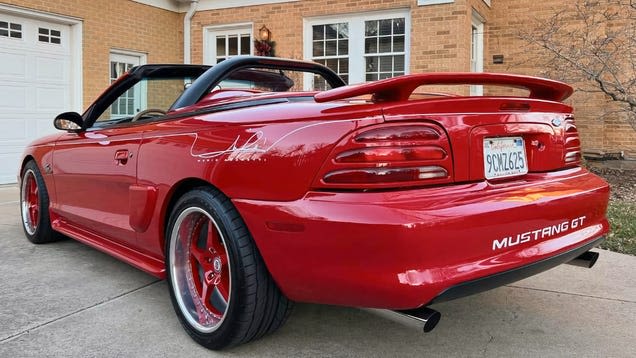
(402, 249)
(503, 278)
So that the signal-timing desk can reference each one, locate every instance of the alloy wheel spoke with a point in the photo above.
(222, 286)
(213, 240)
(218, 302)
(206, 292)
(33, 213)
(198, 254)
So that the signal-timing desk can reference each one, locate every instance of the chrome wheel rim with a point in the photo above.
(30, 202)
(200, 271)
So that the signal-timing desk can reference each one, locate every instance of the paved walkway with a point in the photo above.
(68, 300)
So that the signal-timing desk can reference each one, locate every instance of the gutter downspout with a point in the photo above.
(187, 20)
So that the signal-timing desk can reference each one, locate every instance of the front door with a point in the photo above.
(93, 172)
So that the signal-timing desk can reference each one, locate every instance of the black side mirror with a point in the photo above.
(69, 121)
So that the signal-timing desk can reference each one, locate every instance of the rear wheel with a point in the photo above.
(34, 206)
(219, 285)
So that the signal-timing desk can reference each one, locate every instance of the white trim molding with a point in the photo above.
(75, 41)
(434, 2)
(170, 5)
(477, 50)
(120, 51)
(183, 5)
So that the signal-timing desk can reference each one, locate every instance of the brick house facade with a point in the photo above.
(361, 39)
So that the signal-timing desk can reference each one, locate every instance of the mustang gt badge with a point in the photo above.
(539, 234)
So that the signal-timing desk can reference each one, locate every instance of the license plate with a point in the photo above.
(504, 157)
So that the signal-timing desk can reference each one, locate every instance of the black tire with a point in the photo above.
(248, 305)
(37, 227)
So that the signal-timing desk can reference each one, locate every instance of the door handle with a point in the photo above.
(121, 156)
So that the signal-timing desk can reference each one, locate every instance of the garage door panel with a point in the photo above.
(13, 97)
(13, 65)
(51, 100)
(14, 132)
(51, 69)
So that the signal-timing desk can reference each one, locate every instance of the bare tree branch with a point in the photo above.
(592, 42)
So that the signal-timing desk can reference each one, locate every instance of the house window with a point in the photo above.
(10, 29)
(361, 47)
(384, 48)
(330, 47)
(227, 41)
(49, 35)
(129, 103)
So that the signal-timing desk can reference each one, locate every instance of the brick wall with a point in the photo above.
(440, 41)
(120, 24)
(599, 132)
(436, 45)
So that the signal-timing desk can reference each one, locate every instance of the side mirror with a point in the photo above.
(69, 121)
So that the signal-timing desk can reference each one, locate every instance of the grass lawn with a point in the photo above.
(622, 237)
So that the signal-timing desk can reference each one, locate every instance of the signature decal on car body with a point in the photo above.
(539, 234)
(254, 144)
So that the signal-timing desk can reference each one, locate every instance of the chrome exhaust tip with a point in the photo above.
(586, 259)
(422, 318)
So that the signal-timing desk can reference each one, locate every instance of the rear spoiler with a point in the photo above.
(401, 88)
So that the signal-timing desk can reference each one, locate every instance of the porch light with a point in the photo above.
(264, 33)
(264, 46)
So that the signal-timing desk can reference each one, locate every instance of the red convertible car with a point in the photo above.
(260, 181)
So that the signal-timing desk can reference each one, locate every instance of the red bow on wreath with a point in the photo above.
(264, 48)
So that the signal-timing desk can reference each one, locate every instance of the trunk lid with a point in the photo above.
(543, 131)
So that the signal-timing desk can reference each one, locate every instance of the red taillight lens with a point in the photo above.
(572, 144)
(384, 175)
(405, 133)
(389, 156)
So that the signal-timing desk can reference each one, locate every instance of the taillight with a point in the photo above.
(389, 156)
(572, 144)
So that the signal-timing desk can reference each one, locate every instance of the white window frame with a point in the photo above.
(210, 32)
(357, 62)
(120, 55)
(477, 50)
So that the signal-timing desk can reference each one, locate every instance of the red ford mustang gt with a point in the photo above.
(247, 189)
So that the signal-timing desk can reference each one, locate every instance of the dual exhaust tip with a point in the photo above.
(586, 259)
(425, 318)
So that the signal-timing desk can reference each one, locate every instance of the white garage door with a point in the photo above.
(35, 84)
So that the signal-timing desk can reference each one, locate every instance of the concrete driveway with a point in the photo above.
(66, 299)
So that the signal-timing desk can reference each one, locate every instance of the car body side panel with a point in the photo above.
(93, 185)
(401, 249)
(274, 158)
